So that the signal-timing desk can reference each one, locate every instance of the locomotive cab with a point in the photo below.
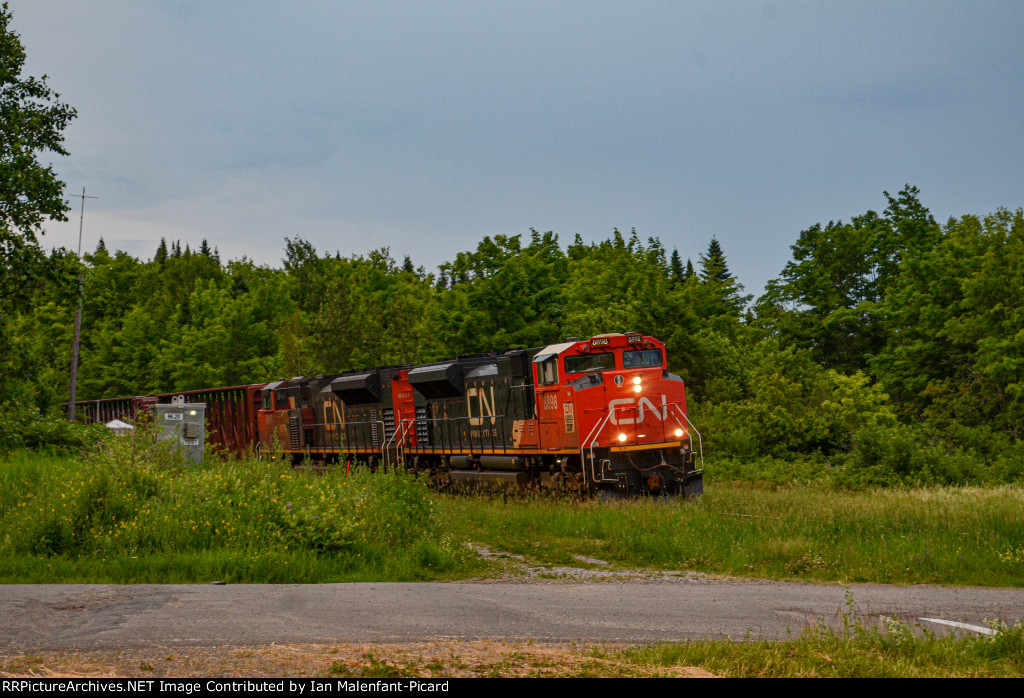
(285, 417)
(612, 398)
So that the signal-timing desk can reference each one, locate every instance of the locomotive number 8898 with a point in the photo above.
(600, 415)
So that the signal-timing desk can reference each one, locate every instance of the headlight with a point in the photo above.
(637, 388)
(679, 433)
(622, 437)
(636, 380)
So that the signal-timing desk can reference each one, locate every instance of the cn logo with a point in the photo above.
(643, 408)
(486, 408)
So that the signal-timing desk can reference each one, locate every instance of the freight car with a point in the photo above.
(231, 413)
(600, 415)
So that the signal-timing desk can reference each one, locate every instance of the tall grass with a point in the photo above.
(134, 511)
(856, 651)
(137, 512)
(938, 535)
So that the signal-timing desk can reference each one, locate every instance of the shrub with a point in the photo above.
(22, 426)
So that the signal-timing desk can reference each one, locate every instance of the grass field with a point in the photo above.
(896, 651)
(124, 519)
(134, 514)
(969, 536)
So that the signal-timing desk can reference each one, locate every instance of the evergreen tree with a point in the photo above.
(723, 293)
(676, 271)
(161, 253)
(712, 265)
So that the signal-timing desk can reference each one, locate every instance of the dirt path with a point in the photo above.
(449, 658)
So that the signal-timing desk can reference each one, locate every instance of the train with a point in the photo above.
(601, 416)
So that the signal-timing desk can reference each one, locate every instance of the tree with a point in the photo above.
(712, 265)
(724, 293)
(32, 122)
(503, 295)
(955, 349)
(831, 297)
(161, 253)
(676, 269)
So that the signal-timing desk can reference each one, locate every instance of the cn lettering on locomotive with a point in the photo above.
(659, 414)
(599, 415)
(485, 408)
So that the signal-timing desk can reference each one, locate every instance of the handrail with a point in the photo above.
(405, 425)
(401, 431)
(590, 437)
(700, 439)
(596, 431)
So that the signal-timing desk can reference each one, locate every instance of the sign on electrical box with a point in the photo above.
(183, 422)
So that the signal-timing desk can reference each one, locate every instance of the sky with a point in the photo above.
(425, 126)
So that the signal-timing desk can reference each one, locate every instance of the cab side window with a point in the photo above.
(547, 371)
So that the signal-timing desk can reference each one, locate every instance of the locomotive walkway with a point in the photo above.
(92, 617)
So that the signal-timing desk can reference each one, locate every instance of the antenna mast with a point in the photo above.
(78, 312)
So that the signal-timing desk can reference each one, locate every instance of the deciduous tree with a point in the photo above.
(32, 123)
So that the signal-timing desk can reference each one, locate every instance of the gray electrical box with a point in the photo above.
(185, 423)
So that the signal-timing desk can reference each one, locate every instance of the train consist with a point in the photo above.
(601, 415)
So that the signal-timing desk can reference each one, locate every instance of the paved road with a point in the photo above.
(79, 617)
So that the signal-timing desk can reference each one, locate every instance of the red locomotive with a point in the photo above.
(600, 415)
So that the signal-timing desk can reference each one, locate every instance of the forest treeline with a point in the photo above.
(890, 349)
(890, 344)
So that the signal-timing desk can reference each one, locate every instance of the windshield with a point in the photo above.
(645, 358)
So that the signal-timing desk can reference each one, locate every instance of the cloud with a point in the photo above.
(424, 127)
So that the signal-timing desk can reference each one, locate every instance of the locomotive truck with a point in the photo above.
(601, 415)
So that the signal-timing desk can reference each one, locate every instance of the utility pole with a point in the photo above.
(78, 314)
